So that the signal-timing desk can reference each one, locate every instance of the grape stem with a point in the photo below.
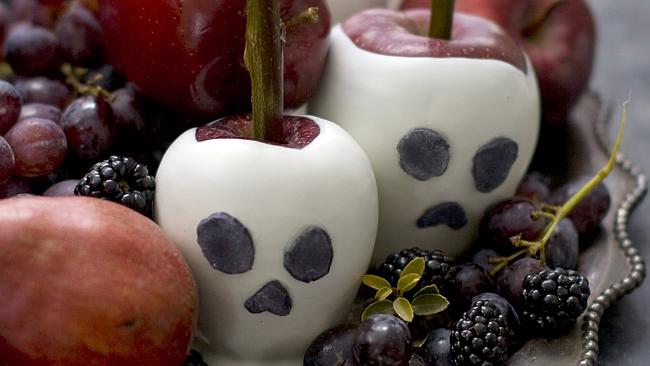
(442, 19)
(539, 247)
(501, 262)
(264, 60)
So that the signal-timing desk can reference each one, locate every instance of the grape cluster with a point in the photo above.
(499, 299)
(63, 108)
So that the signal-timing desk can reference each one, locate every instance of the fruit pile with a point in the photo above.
(272, 219)
(508, 292)
(58, 120)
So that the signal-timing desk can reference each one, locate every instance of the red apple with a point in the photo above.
(85, 281)
(559, 37)
(429, 113)
(188, 55)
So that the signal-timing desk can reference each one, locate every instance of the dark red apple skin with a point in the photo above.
(297, 131)
(403, 33)
(85, 281)
(561, 49)
(188, 55)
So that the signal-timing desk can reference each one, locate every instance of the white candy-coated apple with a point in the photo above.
(284, 198)
(460, 106)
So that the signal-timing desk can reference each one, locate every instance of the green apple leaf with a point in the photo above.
(414, 266)
(383, 293)
(377, 307)
(408, 282)
(429, 304)
(375, 282)
(430, 289)
(403, 309)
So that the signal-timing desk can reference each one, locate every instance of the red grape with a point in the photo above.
(39, 110)
(382, 339)
(32, 50)
(39, 146)
(332, 347)
(31, 11)
(88, 126)
(589, 212)
(10, 104)
(43, 90)
(509, 218)
(7, 160)
(63, 188)
(79, 35)
(562, 248)
(14, 186)
(510, 281)
(535, 187)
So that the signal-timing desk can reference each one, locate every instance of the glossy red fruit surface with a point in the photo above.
(89, 282)
(558, 36)
(188, 55)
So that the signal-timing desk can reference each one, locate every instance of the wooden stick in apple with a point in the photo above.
(442, 19)
(263, 58)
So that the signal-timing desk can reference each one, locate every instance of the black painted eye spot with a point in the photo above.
(226, 243)
(272, 297)
(492, 163)
(423, 154)
(446, 213)
(310, 256)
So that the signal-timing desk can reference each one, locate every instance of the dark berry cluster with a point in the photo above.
(121, 180)
(554, 299)
(480, 337)
(437, 268)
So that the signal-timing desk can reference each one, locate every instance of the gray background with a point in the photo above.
(622, 65)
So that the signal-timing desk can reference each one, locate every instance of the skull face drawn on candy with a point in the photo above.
(228, 247)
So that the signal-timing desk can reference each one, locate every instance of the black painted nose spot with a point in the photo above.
(226, 243)
(447, 213)
(423, 154)
(492, 163)
(272, 297)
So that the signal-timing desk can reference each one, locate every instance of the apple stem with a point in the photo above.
(308, 16)
(442, 19)
(264, 61)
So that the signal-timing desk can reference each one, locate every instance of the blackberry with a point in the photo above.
(121, 180)
(480, 336)
(437, 270)
(554, 299)
(194, 359)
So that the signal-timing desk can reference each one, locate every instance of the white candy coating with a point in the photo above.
(276, 193)
(378, 99)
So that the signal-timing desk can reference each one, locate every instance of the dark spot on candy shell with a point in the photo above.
(423, 154)
(310, 255)
(447, 213)
(492, 163)
(273, 297)
(226, 243)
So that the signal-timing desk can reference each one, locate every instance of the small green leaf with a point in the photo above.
(417, 343)
(431, 289)
(429, 304)
(383, 293)
(403, 309)
(377, 307)
(408, 282)
(414, 266)
(375, 282)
